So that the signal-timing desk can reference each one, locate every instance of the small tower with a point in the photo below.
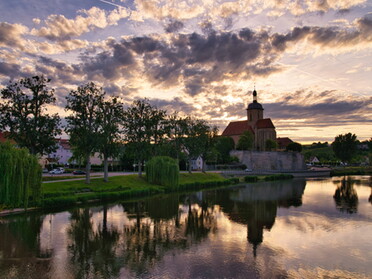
(254, 110)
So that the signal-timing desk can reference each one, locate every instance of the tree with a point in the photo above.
(195, 138)
(245, 141)
(345, 146)
(142, 127)
(270, 145)
(110, 117)
(294, 146)
(223, 146)
(20, 176)
(24, 114)
(83, 124)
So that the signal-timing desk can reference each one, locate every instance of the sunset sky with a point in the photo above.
(311, 61)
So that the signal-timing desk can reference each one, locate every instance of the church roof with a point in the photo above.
(255, 105)
(264, 123)
(237, 128)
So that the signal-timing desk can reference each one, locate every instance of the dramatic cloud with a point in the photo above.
(330, 37)
(58, 27)
(11, 34)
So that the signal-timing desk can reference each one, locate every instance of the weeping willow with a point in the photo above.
(20, 177)
(163, 170)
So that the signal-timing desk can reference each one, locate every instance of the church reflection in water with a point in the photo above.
(100, 241)
(256, 206)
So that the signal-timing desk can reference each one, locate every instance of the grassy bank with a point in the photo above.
(351, 171)
(66, 193)
(69, 193)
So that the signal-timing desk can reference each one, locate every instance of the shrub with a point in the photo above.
(250, 178)
(20, 176)
(163, 170)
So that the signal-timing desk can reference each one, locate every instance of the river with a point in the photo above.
(314, 228)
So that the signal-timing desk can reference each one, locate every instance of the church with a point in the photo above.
(262, 128)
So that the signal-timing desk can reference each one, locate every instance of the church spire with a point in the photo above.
(254, 95)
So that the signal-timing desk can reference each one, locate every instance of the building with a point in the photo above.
(262, 128)
(283, 143)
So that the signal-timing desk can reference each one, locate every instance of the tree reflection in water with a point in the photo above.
(93, 252)
(346, 197)
(20, 251)
(170, 227)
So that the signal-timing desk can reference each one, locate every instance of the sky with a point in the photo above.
(309, 60)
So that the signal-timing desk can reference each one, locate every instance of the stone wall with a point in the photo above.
(257, 160)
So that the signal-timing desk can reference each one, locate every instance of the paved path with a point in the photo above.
(92, 176)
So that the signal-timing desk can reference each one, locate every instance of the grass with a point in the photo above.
(351, 171)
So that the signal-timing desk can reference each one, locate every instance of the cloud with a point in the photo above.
(59, 28)
(332, 37)
(9, 69)
(11, 35)
(174, 26)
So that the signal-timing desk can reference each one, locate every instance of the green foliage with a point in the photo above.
(20, 178)
(110, 117)
(83, 123)
(196, 138)
(345, 146)
(250, 178)
(223, 146)
(23, 114)
(294, 146)
(323, 154)
(246, 141)
(144, 129)
(270, 145)
(163, 170)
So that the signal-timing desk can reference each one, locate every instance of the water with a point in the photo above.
(286, 229)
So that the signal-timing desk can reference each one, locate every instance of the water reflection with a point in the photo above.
(346, 197)
(20, 249)
(256, 206)
(211, 234)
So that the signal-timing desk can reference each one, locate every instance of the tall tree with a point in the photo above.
(245, 141)
(223, 146)
(195, 139)
(24, 114)
(345, 146)
(110, 117)
(83, 124)
(141, 122)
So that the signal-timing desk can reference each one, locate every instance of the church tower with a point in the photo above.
(254, 110)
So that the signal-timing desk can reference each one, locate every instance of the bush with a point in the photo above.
(250, 178)
(20, 176)
(163, 170)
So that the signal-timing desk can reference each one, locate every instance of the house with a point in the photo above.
(283, 142)
(262, 128)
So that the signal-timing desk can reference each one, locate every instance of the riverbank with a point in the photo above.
(351, 171)
(67, 193)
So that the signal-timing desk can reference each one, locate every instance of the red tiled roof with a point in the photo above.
(264, 123)
(283, 142)
(4, 137)
(237, 128)
(65, 143)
